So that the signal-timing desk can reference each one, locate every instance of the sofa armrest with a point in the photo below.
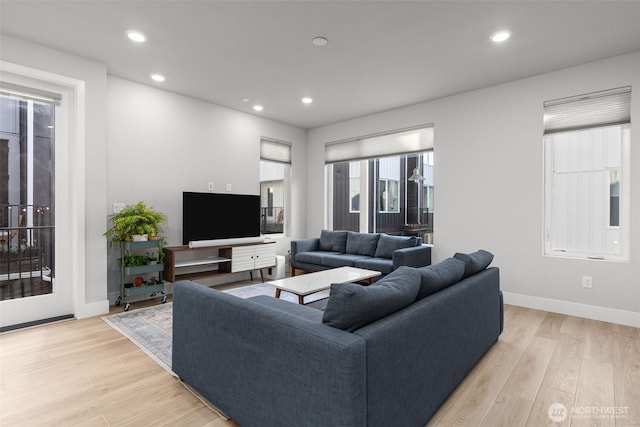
(417, 256)
(264, 366)
(305, 245)
(435, 342)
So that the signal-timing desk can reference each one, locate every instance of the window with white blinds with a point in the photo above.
(370, 187)
(586, 146)
(275, 167)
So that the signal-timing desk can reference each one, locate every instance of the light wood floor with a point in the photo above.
(84, 373)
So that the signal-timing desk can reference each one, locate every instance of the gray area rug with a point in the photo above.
(151, 328)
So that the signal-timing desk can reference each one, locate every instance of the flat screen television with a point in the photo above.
(211, 216)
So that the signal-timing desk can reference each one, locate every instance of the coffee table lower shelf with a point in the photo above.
(311, 283)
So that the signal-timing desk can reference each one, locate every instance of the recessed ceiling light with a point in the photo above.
(245, 100)
(157, 77)
(258, 107)
(307, 100)
(136, 36)
(500, 36)
(320, 41)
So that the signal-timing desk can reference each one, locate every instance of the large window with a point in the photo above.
(586, 146)
(275, 165)
(373, 186)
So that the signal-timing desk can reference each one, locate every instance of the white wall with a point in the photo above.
(93, 74)
(161, 144)
(489, 186)
(488, 173)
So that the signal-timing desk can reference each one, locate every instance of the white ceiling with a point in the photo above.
(381, 54)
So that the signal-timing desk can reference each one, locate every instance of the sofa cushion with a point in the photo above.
(340, 260)
(388, 244)
(383, 265)
(314, 257)
(352, 306)
(362, 243)
(474, 262)
(333, 241)
(438, 276)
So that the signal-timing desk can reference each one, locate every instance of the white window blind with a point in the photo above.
(29, 93)
(412, 140)
(275, 151)
(603, 108)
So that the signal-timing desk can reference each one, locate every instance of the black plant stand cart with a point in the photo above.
(153, 286)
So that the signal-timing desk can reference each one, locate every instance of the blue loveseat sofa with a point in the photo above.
(388, 354)
(373, 251)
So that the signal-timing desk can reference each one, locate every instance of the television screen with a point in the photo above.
(210, 216)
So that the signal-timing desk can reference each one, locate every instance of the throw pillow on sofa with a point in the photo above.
(352, 306)
(333, 241)
(388, 244)
(438, 276)
(475, 262)
(362, 243)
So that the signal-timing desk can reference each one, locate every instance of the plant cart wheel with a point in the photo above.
(164, 299)
(126, 306)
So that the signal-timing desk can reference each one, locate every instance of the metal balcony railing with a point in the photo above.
(27, 242)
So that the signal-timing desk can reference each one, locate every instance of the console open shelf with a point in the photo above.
(208, 261)
(185, 263)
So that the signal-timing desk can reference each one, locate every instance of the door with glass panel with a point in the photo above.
(27, 209)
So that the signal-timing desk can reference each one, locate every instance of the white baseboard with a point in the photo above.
(91, 309)
(604, 314)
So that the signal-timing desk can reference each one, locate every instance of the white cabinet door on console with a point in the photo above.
(246, 258)
(265, 256)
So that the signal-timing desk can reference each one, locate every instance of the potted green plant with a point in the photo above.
(135, 220)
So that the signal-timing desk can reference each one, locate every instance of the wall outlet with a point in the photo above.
(210, 185)
(118, 207)
(587, 282)
(228, 187)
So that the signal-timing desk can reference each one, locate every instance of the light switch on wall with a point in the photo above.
(118, 207)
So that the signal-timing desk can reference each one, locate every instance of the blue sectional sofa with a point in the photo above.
(373, 251)
(388, 354)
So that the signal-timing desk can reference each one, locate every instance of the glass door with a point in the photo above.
(27, 211)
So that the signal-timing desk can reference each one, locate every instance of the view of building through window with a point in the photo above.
(394, 204)
(584, 177)
(272, 196)
(26, 197)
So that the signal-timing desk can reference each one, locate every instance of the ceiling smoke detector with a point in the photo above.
(320, 41)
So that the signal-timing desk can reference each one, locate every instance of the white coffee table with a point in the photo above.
(311, 283)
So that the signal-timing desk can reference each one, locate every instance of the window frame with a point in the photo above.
(276, 152)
